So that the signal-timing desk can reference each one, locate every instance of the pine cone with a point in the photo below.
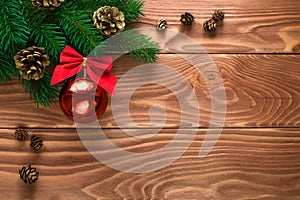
(218, 15)
(36, 143)
(161, 25)
(21, 134)
(210, 25)
(32, 62)
(46, 5)
(29, 174)
(187, 19)
(109, 20)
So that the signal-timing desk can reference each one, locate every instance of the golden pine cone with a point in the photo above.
(46, 5)
(109, 20)
(29, 174)
(32, 62)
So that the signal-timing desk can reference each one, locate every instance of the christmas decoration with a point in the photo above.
(21, 134)
(218, 16)
(187, 19)
(32, 62)
(210, 25)
(36, 143)
(87, 91)
(82, 100)
(47, 5)
(29, 174)
(161, 25)
(97, 68)
(70, 23)
(109, 20)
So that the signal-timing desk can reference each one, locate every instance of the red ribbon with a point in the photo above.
(71, 62)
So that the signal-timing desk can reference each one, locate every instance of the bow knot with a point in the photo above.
(97, 68)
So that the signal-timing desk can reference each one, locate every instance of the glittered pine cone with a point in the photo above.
(29, 174)
(32, 62)
(109, 20)
(46, 5)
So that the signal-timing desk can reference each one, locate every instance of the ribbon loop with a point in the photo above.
(97, 68)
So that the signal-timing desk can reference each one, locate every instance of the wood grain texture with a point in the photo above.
(244, 164)
(256, 50)
(261, 90)
(249, 27)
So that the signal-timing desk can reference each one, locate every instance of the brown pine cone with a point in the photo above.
(29, 174)
(218, 15)
(161, 25)
(187, 19)
(36, 143)
(32, 62)
(21, 134)
(46, 5)
(210, 25)
(109, 20)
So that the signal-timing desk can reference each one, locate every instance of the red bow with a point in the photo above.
(71, 62)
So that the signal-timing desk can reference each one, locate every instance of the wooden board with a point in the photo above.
(249, 27)
(256, 51)
(261, 90)
(244, 164)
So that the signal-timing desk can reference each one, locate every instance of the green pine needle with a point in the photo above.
(7, 67)
(147, 55)
(80, 31)
(50, 37)
(41, 91)
(139, 46)
(130, 8)
(14, 32)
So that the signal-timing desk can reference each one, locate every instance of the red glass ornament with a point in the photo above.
(82, 100)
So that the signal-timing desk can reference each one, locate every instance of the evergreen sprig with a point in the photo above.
(49, 36)
(130, 8)
(7, 67)
(14, 32)
(41, 91)
(79, 30)
(45, 32)
(139, 46)
(147, 55)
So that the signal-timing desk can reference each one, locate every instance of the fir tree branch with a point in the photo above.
(14, 32)
(41, 91)
(50, 37)
(7, 67)
(44, 32)
(147, 55)
(130, 8)
(79, 30)
(139, 46)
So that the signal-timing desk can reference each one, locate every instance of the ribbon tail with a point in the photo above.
(108, 82)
